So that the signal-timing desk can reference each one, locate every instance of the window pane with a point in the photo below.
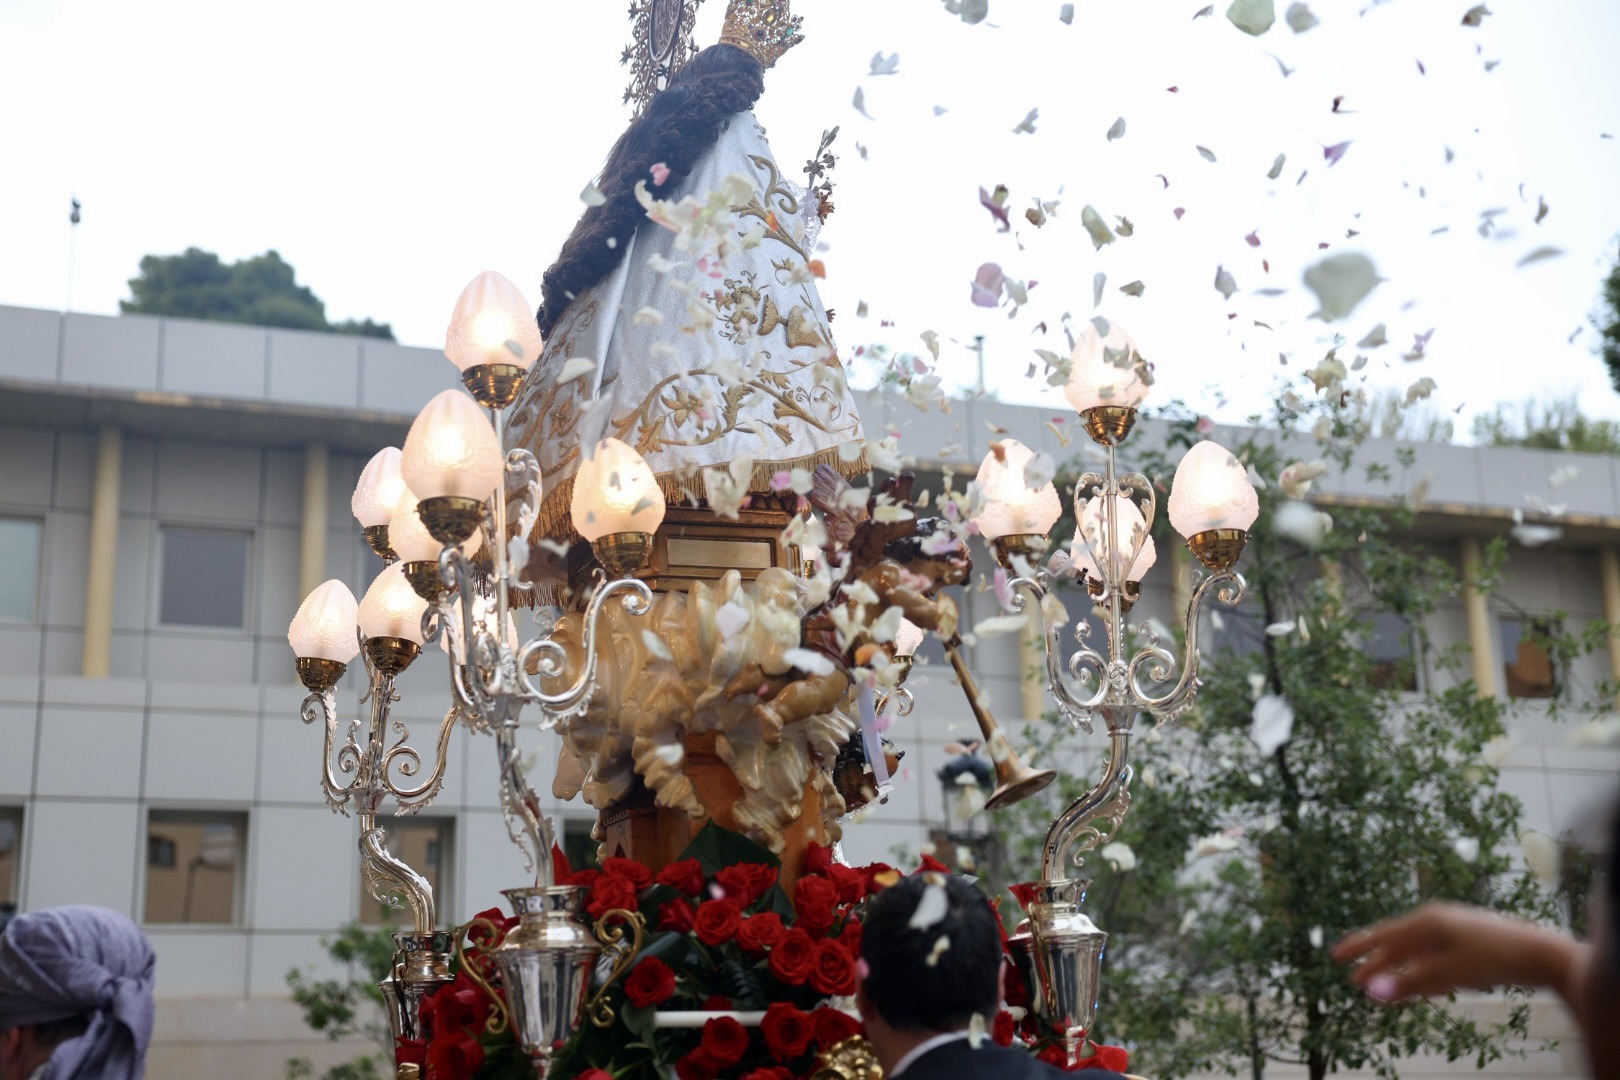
(1388, 644)
(19, 554)
(204, 578)
(192, 866)
(1526, 666)
(10, 844)
(423, 844)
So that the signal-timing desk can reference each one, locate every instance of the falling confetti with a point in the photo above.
(1299, 18)
(1277, 167)
(1066, 14)
(1027, 124)
(1117, 130)
(1100, 233)
(1206, 153)
(1253, 17)
(860, 102)
(1475, 15)
(1225, 284)
(1273, 724)
(997, 205)
(1335, 152)
(1340, 282)
(1135, 288)
(882, 65)
(1539, 254)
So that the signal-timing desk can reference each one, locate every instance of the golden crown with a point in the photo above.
(765, 29)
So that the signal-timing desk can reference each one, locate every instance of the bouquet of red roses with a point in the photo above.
(722, 935)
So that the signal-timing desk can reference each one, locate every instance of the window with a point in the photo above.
(423, 844)
(194, 867)
(10, 860)
(577, 843)
(204, 579)
(1389, 647)
(19, 554)
(1528, 668)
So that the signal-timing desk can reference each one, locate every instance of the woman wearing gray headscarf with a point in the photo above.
(75, 996)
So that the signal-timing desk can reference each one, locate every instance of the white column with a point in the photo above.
(102, 572)
(1609, 572)
(1481, 642)
(312, 547)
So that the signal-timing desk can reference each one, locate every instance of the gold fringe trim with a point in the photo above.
(556, 521)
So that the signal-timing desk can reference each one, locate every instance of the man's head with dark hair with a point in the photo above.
(913, 983)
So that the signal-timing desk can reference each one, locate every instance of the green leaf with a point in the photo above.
(715, 849)
(1253, 17)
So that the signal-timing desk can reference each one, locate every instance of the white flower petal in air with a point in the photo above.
(1273, 723)
(1119, 856)
(931, 909)
(1214, 844)
(1466, 847)
(1541, 854)
(1495, 752)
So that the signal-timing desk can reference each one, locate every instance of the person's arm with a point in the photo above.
(1444, 947)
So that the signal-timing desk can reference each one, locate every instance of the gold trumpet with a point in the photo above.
(1015, 781)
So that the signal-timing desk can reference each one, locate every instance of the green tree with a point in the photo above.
(348, 1005)
(261, 291)
(1244, 866)
(1608, 323)
(1549, 425)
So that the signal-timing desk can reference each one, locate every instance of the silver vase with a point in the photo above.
(1061, 954)
(421, 966)
(545, 964)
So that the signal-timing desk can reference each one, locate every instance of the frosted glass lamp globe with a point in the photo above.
(1092, 543)
(451, 450)
(492, 324)
(391, 608)
(323, 628)
(616, 492)
(1106, 369)
(378, 489)
(1008, 505)
(1212, 491)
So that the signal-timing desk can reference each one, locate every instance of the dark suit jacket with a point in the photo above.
(960, 1061)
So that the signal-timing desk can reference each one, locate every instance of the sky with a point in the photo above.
(391, 151)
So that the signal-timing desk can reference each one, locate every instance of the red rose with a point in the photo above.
(1053, 1055)
(716, 1003)
(880, 876)
(717, 921)
(737, 884)
(769, 1072)
(651, 983)
(677, 915)
(594, 1074)
(833, 1026)
(794, 957)
(685, 876)
(562, 872)
(724, 1040)
(850, 883)
(815, 899)
(477, 935)
(411, 1052)
(760, 878)
(1013, 988)
(696, 1066)
(931, 863)
(817, 858)
(758, 933)
(834, 973)
(611, 891)
(628, 868)
(585, 879)
(453, 1057)
(1004, 1028)
(787, 1031)
(850, 939)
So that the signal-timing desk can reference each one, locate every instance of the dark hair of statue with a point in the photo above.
(678, 127)
(901, 986)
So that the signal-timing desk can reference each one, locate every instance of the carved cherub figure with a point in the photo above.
(885, 558)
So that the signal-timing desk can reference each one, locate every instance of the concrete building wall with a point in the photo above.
(197, 730)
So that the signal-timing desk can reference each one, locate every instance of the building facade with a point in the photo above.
(170, 489)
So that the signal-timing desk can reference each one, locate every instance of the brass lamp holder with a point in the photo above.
(318, 675)
(377, 540)
(494, 385)
(622, 554)
(1027, 546)
(1130, 592)
(1218, 549)
(1109, 424)
(391, 655)
(450, 519)
(424, 578)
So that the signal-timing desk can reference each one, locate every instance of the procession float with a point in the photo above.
(651, 523)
